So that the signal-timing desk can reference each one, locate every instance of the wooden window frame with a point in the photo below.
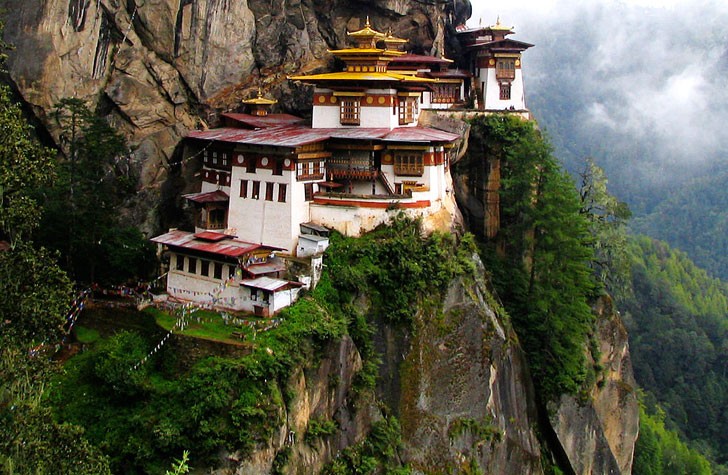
(409, 164)
(269, 191)
(407, 110)
(282, 188)
(505, 91)
(243, 188)
(350, 110)
(204, 268)
(256, 190)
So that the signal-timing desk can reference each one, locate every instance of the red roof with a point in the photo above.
(420, 58)
(297, 135)
(450, 73)
(208, 197)
(263, 122)
(225, 247)
(420, 134)
(212, 236)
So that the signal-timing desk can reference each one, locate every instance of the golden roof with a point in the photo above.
(499, 27)
(260, 100)
(390, 38)
(366, 32)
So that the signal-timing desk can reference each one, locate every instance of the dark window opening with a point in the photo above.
(281, 192)
(204, 268)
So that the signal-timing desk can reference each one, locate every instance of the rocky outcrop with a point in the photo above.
(319, 393)
(599, 436)
(466, 395)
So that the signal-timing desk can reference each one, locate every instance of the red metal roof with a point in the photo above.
(449, 73)
(290, 136)
(186, 240)
(419, 134)
(212, 236)
(420, 58)
(208, 197)
(296, 135)
(263, 122)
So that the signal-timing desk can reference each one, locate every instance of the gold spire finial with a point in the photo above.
(260, 92)
(367, 25)
(497, 20)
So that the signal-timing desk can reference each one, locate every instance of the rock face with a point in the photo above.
(319, 393)
(467, 399)
(599, 437)
(157, 68)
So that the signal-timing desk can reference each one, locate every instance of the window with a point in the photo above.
(243, 188)
(192, 265)
(505, 91)
(217, 271)
(310, 170)
(278, 167)
(180, 262)
(281, 192)
(204, 267)
(256, 190)
(349, 112)
(217, 219)
(445, 93)
(269, 191)
(407, 110)
(505, 69)
(308, 191)
(409, 164)
(253, 294)
(250, 164)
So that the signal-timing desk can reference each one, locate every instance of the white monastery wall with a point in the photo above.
(491, 90)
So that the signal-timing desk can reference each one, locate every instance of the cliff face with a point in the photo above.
(599, 437)
(467, 398)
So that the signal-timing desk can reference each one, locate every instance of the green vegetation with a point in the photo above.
(695, 219)
(143, 419)
(319, 428)
(659, 450)
(541, 257)
(481, 430)
(81, 218)
(375, 454)
(35, 295)
(677, 317)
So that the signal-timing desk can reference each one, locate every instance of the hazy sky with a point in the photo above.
(647, 72)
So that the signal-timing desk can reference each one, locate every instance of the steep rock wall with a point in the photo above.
(467, 398)
(599, 437)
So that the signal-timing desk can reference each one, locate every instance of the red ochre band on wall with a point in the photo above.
(319, 200)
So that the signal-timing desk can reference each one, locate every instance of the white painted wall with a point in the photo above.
(491, 90)
(267, 222)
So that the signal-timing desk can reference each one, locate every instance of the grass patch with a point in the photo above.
(205, 324)
(86, 335)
